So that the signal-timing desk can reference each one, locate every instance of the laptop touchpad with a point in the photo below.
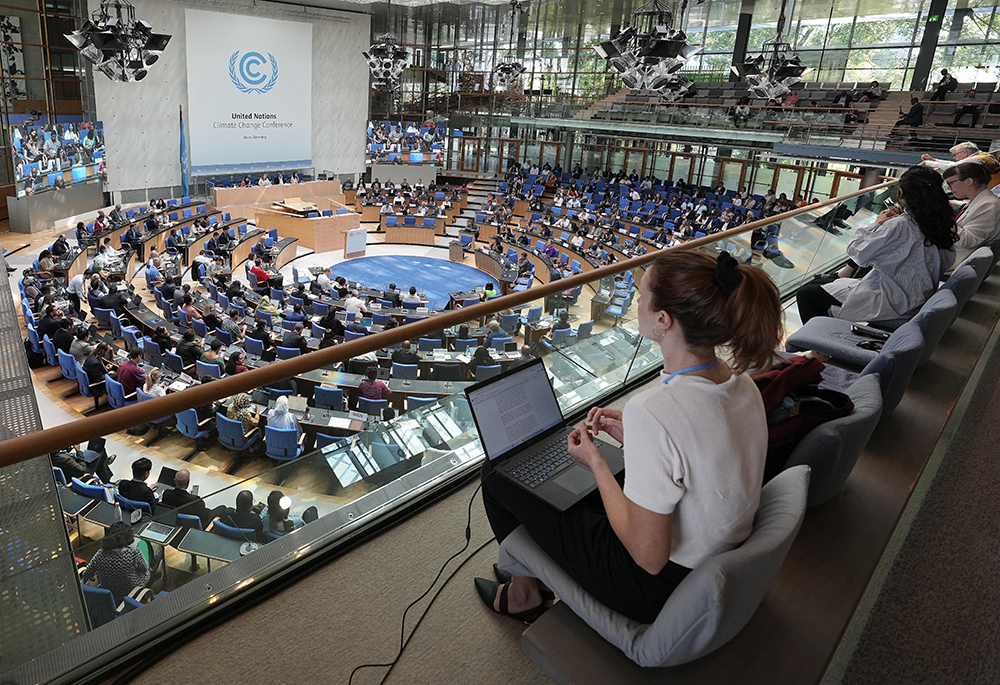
(577, 479)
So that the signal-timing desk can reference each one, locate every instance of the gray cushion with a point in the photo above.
(981, 261)
(962, 282)
(934, 318)
(830, 336)
(832, 449)
(713, 602)
(896, 363)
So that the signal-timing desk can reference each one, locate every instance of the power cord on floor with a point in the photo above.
(403, 640)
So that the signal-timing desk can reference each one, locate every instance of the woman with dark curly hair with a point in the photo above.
(118, 565)
(903, 253)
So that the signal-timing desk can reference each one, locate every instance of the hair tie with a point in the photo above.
(727, 275)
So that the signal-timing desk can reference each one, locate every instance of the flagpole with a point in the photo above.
(185, 179)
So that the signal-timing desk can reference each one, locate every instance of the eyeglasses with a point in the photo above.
(954, 180)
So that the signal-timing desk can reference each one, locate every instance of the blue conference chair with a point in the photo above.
(412, 401)
(428, 344)
(67, 364)
(283, 444)
(116, 393)
(498, 343)
(143, 396)
(484, 372)
(50, 351)
(288, 352)
(324, 440)
(254, 346)
(232, 437)
(133, 505)
(88, 389)
(559, 337)
(408, 371)
(98, 492)
(206, 369)
(231, 532)
(329, 398)
(372, 407)
(189, 426)
(100, 605)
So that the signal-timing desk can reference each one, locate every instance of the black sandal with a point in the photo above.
(487, 590)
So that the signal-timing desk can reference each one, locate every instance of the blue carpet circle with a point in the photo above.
(438, 278)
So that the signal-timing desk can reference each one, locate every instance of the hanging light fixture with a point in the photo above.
(650, 53)
(776, 70)
(116, 44)
(386, 62)
(508, 69)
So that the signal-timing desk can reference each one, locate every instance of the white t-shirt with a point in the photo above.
(696, 449)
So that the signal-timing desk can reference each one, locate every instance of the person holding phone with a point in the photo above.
(906, 251)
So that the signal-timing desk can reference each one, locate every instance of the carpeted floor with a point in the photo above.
(437, 278)
(938, 615)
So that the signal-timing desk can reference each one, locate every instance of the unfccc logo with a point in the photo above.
(246, 75)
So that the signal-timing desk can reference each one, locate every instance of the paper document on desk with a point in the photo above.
(464, 358)
(338, 422)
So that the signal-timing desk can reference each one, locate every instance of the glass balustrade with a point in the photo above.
(359, 462)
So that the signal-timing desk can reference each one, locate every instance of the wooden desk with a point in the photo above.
(410, 235)
(230, 197)
(369, 213)
(287, 251)
(319, 234)
(75, 267)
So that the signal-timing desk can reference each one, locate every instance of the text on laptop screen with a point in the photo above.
(513, 409)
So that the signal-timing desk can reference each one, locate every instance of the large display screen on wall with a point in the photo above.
(249, 93)
(54, 156)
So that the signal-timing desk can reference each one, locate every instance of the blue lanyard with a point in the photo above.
(689, 369)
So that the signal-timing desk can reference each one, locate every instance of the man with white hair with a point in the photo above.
(968, 152)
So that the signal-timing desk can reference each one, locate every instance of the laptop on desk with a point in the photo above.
(523, 434)
(166, 478)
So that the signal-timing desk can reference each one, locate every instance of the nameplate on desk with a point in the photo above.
(422, 310)
(358, 416)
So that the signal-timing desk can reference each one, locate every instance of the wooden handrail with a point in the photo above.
(60, 437)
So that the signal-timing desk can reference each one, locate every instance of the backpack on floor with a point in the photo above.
(795, 404)
(36, 360)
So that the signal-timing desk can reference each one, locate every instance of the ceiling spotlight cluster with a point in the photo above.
(118, 45)
(507, 72)
(387, 62)
(650, 53)
(508, 69)
(776, 70)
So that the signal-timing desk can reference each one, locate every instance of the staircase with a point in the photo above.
(478, 192)
(598, 105)
(881, 120)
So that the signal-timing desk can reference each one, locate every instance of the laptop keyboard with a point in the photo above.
(159, 528)
(543, 465)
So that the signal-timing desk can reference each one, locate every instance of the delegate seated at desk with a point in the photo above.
(118, 565)
(295, 340)
(180, 498)
(136, 488)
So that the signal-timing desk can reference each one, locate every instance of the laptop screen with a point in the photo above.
(513, 408)
(166, 476)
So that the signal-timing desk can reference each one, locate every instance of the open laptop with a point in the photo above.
(166, 478)
(523, 433)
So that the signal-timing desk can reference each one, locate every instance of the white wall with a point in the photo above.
(141, 122)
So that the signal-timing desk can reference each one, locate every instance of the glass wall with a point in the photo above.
(454, 48)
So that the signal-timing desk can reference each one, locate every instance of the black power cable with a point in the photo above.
(403, 640)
